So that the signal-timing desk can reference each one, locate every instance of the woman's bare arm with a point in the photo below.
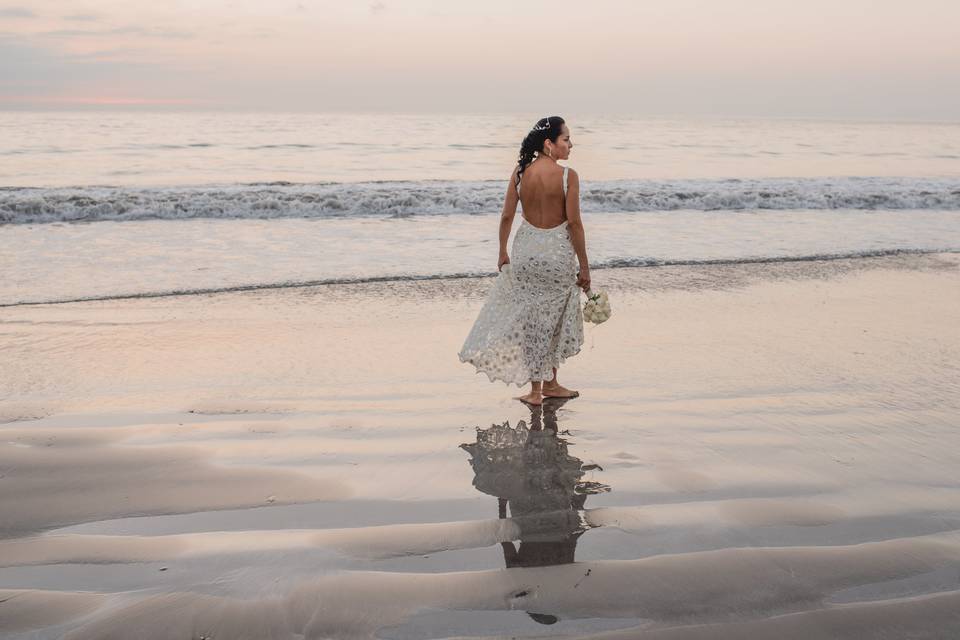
(575, 224)
(510, 202)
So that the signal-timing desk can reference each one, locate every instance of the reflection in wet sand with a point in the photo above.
(530, 472)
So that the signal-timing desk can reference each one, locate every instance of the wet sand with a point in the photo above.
(761, 450)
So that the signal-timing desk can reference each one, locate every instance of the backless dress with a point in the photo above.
(530, 321)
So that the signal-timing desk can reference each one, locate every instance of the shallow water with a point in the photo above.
(108, 259)
(105, 204)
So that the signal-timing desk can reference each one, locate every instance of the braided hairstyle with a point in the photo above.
(545, 129)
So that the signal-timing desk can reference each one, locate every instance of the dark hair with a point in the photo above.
(548, 128)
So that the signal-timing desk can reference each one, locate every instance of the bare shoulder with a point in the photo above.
(573, 176)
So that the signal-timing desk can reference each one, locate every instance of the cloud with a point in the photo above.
(33, 76)
(16, 12)
(82, 17)
(24, 67)
(125, 54)
(172, 34)
(377, 7)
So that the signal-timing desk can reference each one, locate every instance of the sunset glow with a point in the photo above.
(740, 57)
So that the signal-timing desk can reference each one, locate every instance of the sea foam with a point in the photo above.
(24, 205)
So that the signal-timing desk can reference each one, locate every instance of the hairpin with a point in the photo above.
(542, 127)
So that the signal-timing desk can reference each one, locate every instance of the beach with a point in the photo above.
(761, 448)
(250, 253)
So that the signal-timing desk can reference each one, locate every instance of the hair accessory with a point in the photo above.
(542, 127)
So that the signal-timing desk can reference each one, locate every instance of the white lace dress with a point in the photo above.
(531, 320)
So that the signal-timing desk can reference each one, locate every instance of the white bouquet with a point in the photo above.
(597, 307)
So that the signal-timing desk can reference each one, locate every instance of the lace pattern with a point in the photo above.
(531, 320)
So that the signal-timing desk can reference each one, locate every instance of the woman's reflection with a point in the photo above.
(530, 471)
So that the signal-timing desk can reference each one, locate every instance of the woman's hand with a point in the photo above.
(504, 259)
(583, 279)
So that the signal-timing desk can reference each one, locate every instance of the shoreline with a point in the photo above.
(615, 264)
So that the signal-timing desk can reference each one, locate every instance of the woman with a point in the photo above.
(531, 321)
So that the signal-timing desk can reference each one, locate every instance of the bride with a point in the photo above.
(531, 320)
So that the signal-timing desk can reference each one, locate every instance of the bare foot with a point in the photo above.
(558, 391)
(533, 398)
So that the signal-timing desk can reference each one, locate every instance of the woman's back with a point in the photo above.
(542, 194)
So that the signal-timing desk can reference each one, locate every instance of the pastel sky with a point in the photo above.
(817, 58)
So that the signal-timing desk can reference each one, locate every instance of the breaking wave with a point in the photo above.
(32, 205)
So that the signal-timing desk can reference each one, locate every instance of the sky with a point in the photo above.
(816, 58)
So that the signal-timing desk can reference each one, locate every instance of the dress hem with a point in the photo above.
(555, 363)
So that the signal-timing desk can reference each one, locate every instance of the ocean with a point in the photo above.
(108, 204)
